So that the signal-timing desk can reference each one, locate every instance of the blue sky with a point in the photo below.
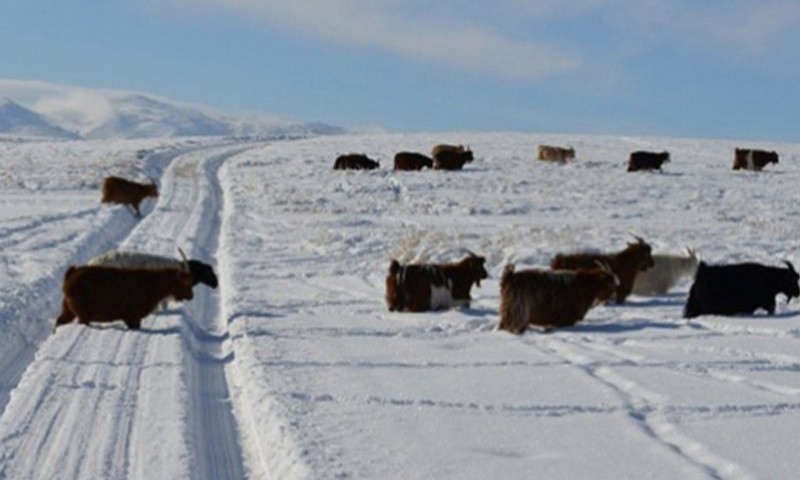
(716, 69)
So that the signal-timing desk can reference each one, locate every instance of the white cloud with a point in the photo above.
(530, 39)
(395, 27)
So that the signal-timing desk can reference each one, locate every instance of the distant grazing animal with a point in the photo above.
(201, 272)
(451, 160)
(551, 298)
(555, 154)
(647, 160)
(739, 288)
(412, 161)
(355, 161)
(756, 160)
(442, 147)
(105, 294)
(121, 191)
(626, 264)
(667, 270)
(423, 287)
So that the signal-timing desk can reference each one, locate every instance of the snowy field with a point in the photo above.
(295, 369)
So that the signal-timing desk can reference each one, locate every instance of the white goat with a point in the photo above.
(667, 270)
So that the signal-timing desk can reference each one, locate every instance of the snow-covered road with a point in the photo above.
(110, 403)
(294, 368)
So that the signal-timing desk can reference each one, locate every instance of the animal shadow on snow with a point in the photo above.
(174, 330)
(626, 327)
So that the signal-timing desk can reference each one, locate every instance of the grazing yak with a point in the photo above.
(423, 287)
(105, 294)
(555, 154)
(355, 161)
(647, 160)
(666, 272)
(551, 298)
(756, 160)
(412, 161)
(626, 264)
(121, 191)
(739, 288)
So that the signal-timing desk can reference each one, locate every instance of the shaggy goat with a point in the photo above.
(551, 298)
(124, 192)
(422, 287)
(625, 264)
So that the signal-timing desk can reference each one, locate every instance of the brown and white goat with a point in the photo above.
(626, 264)
(423, 287)
(752, 159)
(122, 191)
(667, 271)
(105, 294)
(551, 298)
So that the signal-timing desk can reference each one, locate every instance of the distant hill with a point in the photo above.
(49, 110)
(18, 120)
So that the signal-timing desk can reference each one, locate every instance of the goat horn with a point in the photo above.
(185, 261)
(789, 264)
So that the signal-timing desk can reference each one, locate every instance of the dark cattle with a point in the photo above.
(355, 161)
(412, 161)
(739, 288)
(121, 191)
(551, 298)
(626, 264)
(647, 160)
(105, 294)
(555, 154)
(748, 159)
(423, 287)
(450, 160)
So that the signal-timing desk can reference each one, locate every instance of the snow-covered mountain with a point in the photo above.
(75, 112)
(18, 120)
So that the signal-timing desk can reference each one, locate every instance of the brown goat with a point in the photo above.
(626, 264)
(355, 161)
(555, 154)
(443, 147)
(551, 298)
(411, 161)
(452, 160)
(104, 294)
(125, 192)
(423, 287)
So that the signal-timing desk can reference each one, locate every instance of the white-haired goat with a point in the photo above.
(666, 272)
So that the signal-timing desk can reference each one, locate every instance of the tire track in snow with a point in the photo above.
(192, 221)
(128, 376)
(27, 316)
(747, 359)
(647, 409)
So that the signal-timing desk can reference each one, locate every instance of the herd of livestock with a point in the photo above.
(129, 286)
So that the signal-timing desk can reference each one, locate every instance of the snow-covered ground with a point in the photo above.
(294, 368)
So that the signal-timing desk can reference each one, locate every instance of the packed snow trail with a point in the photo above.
(106, 402)
(38, 249)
